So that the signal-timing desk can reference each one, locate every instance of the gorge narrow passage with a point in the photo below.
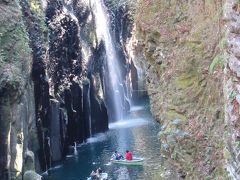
(78, 79)
(130, 128)
(138, 133)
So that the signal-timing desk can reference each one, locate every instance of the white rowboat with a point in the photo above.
(135, 161)
(103, 176)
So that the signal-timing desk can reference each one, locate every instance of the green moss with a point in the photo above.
(36, 7)
(195, 45)
(218, 61)
(209, 2)
(223, 43)
(188, 33)
(14, 44)
(172, 114)
(233, 95)
(186, 80)
(38, 12)
(163, 67)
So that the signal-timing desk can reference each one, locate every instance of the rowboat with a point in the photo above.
(103, 176)
(135, 161)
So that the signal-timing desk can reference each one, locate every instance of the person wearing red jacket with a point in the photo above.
(128, 155)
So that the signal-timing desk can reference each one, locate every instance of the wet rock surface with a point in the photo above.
(60, 72)
(51, 92)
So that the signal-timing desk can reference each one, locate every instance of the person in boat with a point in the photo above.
(96, 175)
(128, 155)
(116, 156)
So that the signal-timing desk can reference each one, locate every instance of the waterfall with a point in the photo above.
(68, 8)
(75, 149)
(116, 82)
(89, 113)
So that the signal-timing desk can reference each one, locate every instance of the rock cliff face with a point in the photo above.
(68, 108)
(183, 44)
(130, 51)
(17, 113)
(52, 90)
(231, 16)
(51, 84)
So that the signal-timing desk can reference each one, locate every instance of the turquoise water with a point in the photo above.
(138, 133)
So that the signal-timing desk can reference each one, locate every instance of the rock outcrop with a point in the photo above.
(183, 44)
(68, 110)
(51, 87)
(231, 87)
(129, 50)
(17, 112)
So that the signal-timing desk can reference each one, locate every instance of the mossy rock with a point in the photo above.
(186, 80)
(172, 114)
(31, 175)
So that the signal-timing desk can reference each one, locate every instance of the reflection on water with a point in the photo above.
(98, 137)
(127, 124)
(138, 133)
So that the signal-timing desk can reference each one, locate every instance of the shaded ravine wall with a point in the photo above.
(18, 137)
(51, 85)
(183, 44)
(130, 54)
(49, 92)
(68, 109)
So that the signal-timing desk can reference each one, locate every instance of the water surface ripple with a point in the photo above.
(138, 133)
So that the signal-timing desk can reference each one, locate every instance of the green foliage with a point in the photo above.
(36, 7)
(217, 61)
(237, 144)
(223, 43)
(38, 12)
(14, 44)
(232, 95)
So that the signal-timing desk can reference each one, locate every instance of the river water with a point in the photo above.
(138, 133)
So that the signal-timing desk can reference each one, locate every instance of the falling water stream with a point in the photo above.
(113, 66)
(137, 131)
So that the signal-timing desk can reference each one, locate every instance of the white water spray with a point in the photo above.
(114, 72)
(75, 149)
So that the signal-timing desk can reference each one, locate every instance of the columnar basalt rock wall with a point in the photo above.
(61, 75)
(67, 96)
(33, 17)
(17, 113)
